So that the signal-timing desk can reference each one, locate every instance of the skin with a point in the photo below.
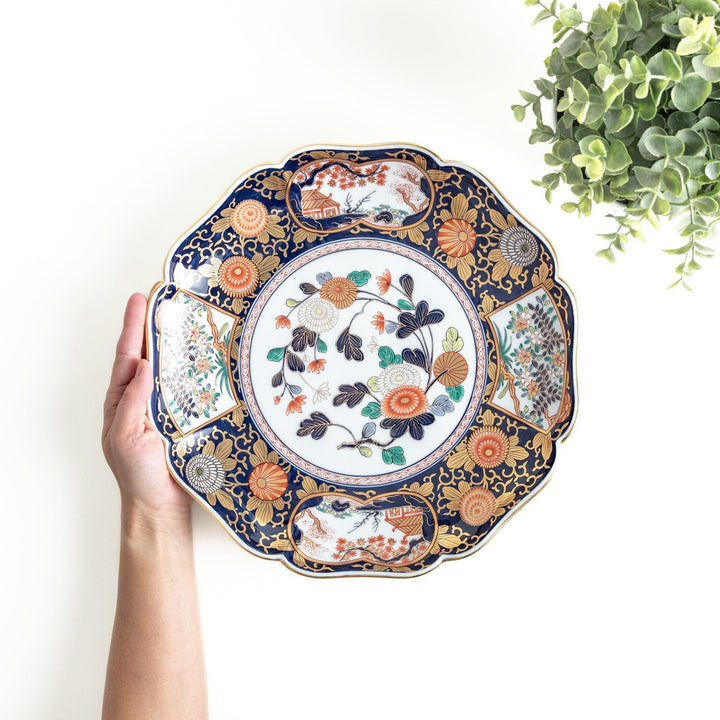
(156, 666)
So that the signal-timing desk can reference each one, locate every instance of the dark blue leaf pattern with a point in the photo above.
(407, 284)
(316, 426)
(398, 427)
(415, 357)
(349, 345)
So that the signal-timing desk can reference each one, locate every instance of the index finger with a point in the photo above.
(128, 352)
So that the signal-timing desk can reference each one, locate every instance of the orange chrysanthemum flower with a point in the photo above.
(238, 276)
(404, 402)
(268, 481)
(378, 322)
(282, 321)
(316, 366)
(249, 218)
(477, 506)
(295, 405)
(384, 281)
(340, 291)
(488, 447)
(456, 237)
(450, 369)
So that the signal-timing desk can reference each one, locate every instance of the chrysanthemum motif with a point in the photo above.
(397, 375)
(205, 473)
(450, 369)
(238, 276)
(404, 402)
(518, 246)
(340, 291)
(477, 506)
(249, 218)
(456, 237)
(268, 481)
(488, 447)
(318, 315)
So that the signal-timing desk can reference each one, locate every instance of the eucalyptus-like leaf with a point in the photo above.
(691, 92)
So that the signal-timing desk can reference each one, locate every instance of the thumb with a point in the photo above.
(132, 408)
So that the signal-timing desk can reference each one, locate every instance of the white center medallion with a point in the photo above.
(362, 362)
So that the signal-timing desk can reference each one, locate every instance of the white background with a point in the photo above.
(121, 125)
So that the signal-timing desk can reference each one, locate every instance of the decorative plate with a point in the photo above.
(364, 359)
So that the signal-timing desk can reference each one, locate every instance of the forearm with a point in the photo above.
(156, 665)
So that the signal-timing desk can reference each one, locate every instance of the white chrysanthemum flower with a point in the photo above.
(397, 375)
(318, 315)
(519, 246)
(205, 473)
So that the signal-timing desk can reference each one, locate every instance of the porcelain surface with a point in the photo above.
(364, 359)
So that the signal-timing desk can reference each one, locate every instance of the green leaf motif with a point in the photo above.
(276, 354)
(393, 455)
(702, 7)
(365, 451)
(359, 277)
(387, 356)
(321, 346)
(452, 341)
(371, 410)
(405, 305)
(291, 303)
(455, 393)
(373, 383)
(691, 92)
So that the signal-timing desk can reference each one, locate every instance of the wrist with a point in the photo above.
(140, 521)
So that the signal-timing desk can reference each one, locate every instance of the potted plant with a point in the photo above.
(636, 90)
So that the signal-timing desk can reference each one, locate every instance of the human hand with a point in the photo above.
(132, 446)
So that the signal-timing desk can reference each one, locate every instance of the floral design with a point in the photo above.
(470, 469)
(519, 246)
(194, 368)
(532, 351)
(378, 322)
(405, 401)
(268, 481)
(340, 291)
(397, 374)
(249, 218)
(318, 315)
(476, 506)
(336, 194)
(488, 447)
(456, 237)
(238, 276)
(415, 383)
(383, 281)
(451, 369)
(206, 472)
(340, 529)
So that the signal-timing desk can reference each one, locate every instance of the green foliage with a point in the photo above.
(636, 89)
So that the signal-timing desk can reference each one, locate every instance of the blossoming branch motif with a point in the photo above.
(532, 368)
(335, 194)
(194, 368)
(403, 396)
(341, 529)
